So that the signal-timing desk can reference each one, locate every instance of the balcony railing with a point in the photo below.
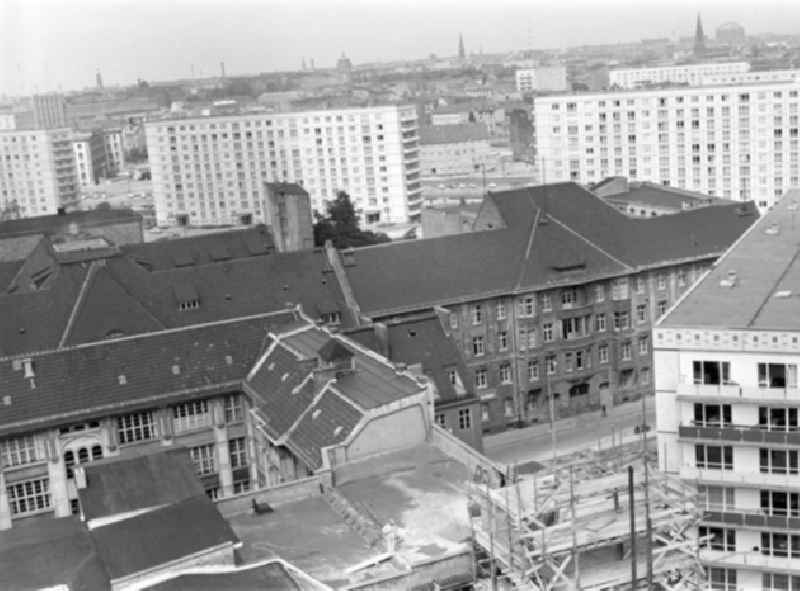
(734, 390)
(732, 433)
(755, 518)
(751, 558)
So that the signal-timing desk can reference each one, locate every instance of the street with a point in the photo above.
(586, 430)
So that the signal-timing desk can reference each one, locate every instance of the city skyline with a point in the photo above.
(50, 47)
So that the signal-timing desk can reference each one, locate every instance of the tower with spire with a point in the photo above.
(461, 53)
(699, 38)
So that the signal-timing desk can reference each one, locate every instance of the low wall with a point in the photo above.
(458, 566)
(472, 459)
(275, 495)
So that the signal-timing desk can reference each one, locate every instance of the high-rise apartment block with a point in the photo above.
(736, 142)
(212, 170)
(727, 403)
(90, 157)
(37, 172)
(691, 74)
(115, 151)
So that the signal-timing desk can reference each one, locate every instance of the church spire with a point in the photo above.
(461, 54)
(699, 38)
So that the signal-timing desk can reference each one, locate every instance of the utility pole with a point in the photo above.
(648, 522)
(632, 516)
(552, 409)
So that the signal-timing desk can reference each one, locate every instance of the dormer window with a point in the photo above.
(332, 318)
(189, 305)
(187, 297)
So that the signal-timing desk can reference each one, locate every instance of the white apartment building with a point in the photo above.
(211, 170)
(37, 171)
(115, 153)
(736, 142)
(751, 77)
(691, 74)
(727, 403)
(551, 78)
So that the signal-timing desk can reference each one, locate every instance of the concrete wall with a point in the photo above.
(424, 573)
(463, 453)
(399, 430)
(214, 556)
(287, 492)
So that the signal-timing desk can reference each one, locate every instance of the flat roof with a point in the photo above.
(756, 284)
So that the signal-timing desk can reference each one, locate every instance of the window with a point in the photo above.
(547, 332)
(440, 419)
(777, 419)
(509, 407)
(569, 297)
(238, 452)
(533, 370)
(776, 582)
(716, 498)
(619, 289)
(777, 375)
(626, 351)
(203, 458)
(780, 503)
(480, 378)
(777, 461)
(723, 579)
(477, 314)
(29, 496)
(713, 457)
(780, 545)
(484, 413)
(477, 346)
(502, 340)
(501, 311)
(622, 320)
(711, 372)
(640, 285)
(717, 538)
(18, 451)
(551, 364)
(464, 418)
(599, 293)
(602, 353)
(527, 306)
(600, 323)
(661, 280)
(190, 415)
(641, 313)
(712, 415)
(241, 486)
(505, 373)
(136, 427)
(661, 308)
(234, 408)
(453, 321)
(531, 338)
(547, 303)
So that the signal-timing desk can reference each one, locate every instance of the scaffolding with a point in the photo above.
(601, 520)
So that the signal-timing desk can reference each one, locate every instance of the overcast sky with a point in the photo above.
(51, 44)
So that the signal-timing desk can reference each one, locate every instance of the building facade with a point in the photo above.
(689, 74)
(90, 157)
(49, 111)
(542, 79)
(456, 149)
(736, 142)
(751, 77)
(212, 170)
(115, 152)
(727, 402)
(37, 172)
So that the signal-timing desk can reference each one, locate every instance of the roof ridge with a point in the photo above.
(526, 256)
(283, 439)
(140, 303)
(589, 242)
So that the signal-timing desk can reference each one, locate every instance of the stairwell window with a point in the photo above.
(602, 353)
(547, 302)
(136, 427)
(626, 351)
(600, 323)
(191, 415)
(713, 457)
(533, 370)
(717, 538)
(477, 314)
(501, 311)
(464, 418)
(547, 332)
(505, 373)
(502, 340)
(477, 346)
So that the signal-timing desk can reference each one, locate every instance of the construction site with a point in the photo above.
(594, 520)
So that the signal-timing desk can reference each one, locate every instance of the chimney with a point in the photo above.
(382, 336)
(80, 477)
(27, 364)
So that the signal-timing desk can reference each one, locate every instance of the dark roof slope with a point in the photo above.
(119, 486)
(453, 134)
(133, 372)
(659, 195)
(269, 577)
(160, 536)
(51, 224)
(288, 188)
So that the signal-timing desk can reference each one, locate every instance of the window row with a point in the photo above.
(769, 375)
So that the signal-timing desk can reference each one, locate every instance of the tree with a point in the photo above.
(340, 226)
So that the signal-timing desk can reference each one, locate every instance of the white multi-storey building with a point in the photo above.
(737, 142)
(37, 171)
(211, 170)
(727, 403)
(115, 153)
(551, 78)
(751, 77)
(691, 74)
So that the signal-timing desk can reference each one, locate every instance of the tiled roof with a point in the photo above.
(453, 134)
(119, 486)
(133, 372)
(50, 224)
(160, 536)
(554, 235)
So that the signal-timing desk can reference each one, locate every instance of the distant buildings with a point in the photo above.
(727, 400)
(211, 170)
(735, 142)
(49, 111)
(455, 149)
(731, 34)
(90, 157)
(115, 150)
(699, 39)
(37, 172)
(542, 79)
(118, 226)
(645, 199)
(689, 74)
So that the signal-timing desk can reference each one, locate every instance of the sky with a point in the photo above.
(55, 44)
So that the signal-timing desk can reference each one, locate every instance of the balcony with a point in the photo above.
(749, 434)
(733, 390)
(749, 479)
(749, 558)
(750, 518)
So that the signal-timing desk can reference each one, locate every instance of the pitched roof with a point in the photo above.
(554, 235)
(160, 536)
(661, 196)
(755, 285)
(133, 372)
(118, 486)
(453, 134)
(17, 248)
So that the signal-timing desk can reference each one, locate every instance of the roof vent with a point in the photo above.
(7, 400)
(122, 379)
(271, 366)
(336, 431)
(284, 376)
(176, 370)
(27, 364)
(773, 230)
(784, 293)
(316, 413)
(228, 359)
(729, 281)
